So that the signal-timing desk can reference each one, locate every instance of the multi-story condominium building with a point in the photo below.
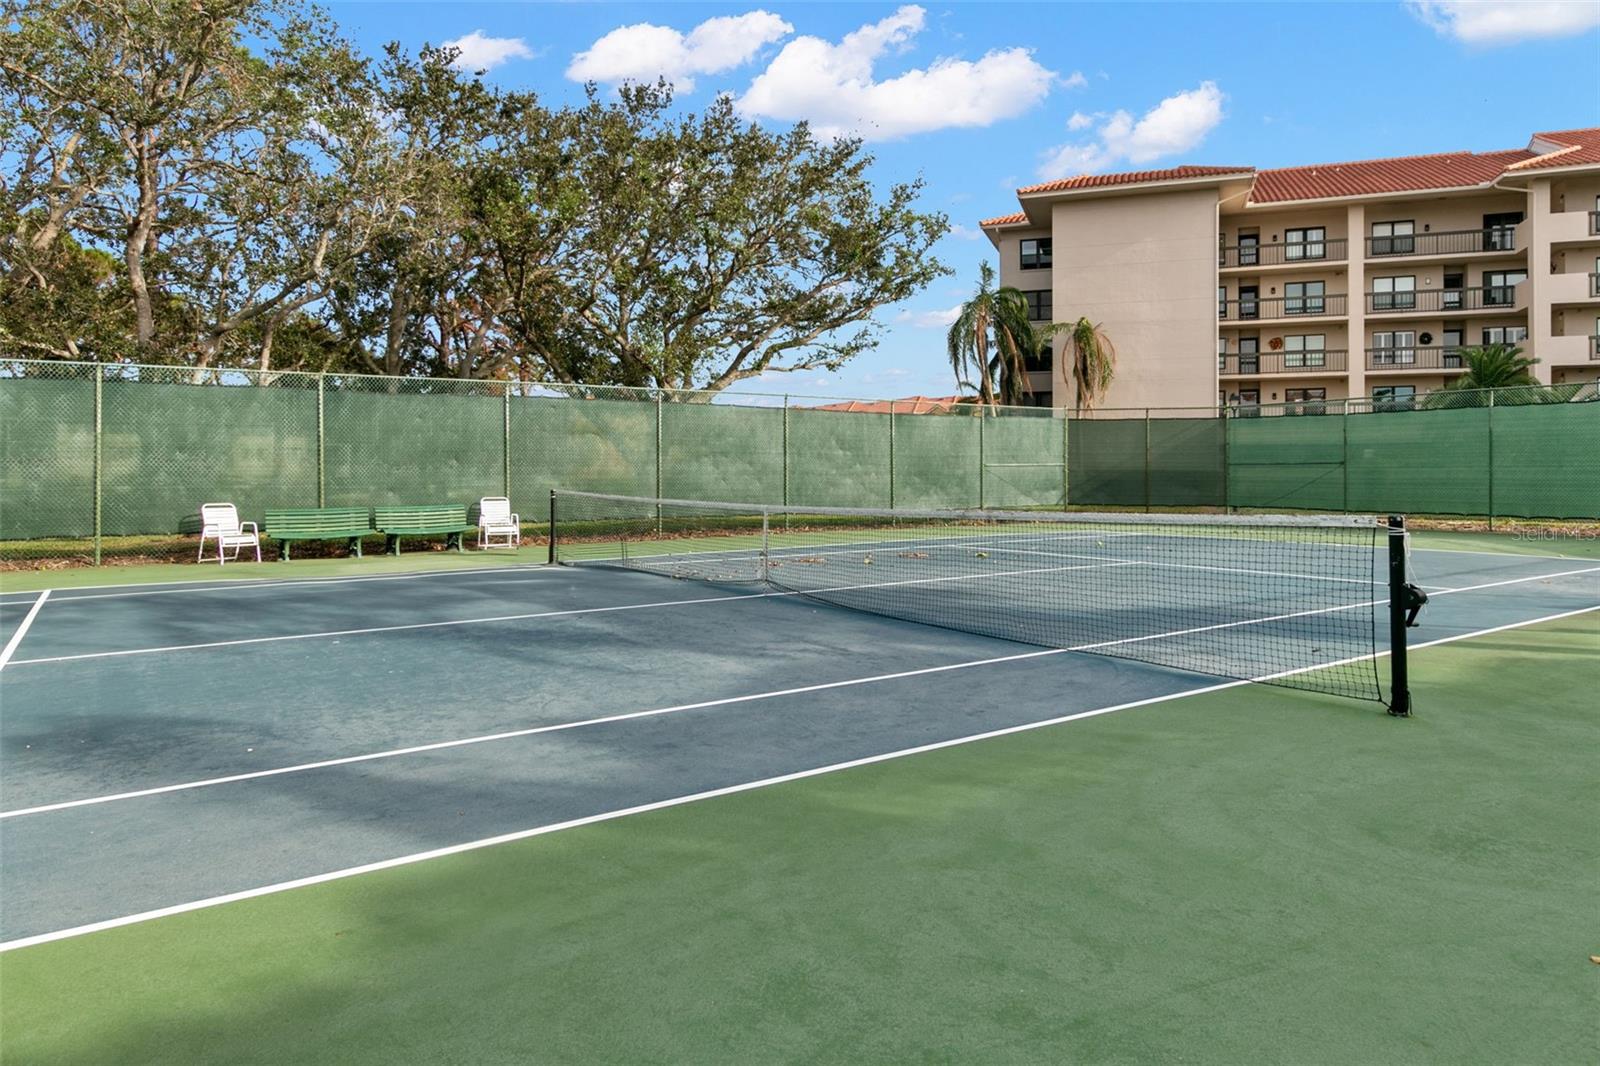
(1317, 282)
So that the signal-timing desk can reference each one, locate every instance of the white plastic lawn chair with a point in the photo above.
(220, 521)
(498, 527)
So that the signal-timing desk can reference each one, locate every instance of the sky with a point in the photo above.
(978, 98)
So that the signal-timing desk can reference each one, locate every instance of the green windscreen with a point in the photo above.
(1107, 462)
(1286, 462)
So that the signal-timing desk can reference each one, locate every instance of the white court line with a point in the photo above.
(251, 584)
(27, 620)
(679, 801)
(544, 614)
(725, 701)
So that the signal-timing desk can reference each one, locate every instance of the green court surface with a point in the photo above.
(1248, 875)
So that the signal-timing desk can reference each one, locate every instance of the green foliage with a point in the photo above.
(233, 184)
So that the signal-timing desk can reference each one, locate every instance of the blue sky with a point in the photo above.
(979, 98)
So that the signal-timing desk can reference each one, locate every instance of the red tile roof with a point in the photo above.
(910, 405)
(1364, 177)
(1581, 147)
(1368, 177)
(1135, 177)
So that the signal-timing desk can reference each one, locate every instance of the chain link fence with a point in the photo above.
(100, 451)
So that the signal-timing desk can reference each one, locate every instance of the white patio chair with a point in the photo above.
(498, 527)
(220, 521)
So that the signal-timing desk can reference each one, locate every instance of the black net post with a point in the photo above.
(552, 527)
(1399, 684)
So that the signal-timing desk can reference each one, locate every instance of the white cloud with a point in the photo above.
(962, 233)
(832, 85)
(930, 319)
(1075, 80)
(1175, 125)
(478, 52)
(1492, 22)
(645, 52)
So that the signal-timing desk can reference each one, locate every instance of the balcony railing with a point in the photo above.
(1253, 364)
(1445, 242)
(1248, 255)
(1594, 223)
(1492, 296)
(1411, 357)
(1281, 307)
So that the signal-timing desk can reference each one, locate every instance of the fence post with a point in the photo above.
(983, 418)
(1066, 486)
(322, 444)
(1227, 469)
(1147, 460)
(505, 418)
(1344, 455)
(786, 456)
(658, 462)
(1491, 460)
(99, 410)
(891, 455)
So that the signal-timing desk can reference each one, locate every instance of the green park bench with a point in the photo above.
(447, 518)
(318, 523)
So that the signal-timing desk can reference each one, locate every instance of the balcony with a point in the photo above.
(1569, 351)
(1291, 253)
(1412, 357)
(1570, 227)
(1261, 309)
(1569, 288)
(1499, 239)
(1262, 363)
(1491, 298)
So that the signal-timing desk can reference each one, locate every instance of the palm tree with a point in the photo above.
(968, 341)
(1093, 357)
(1016, 344)
(1494, 366)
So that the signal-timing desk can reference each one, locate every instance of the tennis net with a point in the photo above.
(1290, 599)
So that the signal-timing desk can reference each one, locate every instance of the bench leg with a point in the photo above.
(453, 541)
(392, 545)
(283, 551)
(354, 547)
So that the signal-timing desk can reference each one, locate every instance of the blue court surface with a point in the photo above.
(168, 746)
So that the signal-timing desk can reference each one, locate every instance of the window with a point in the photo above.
(1035, 253)
(1394, 238)
(1305, 243)
(1042, 362)
(1303, 298)
(1394, 348)
(1394, 397)
(1222, 353)
(1249, 249)
(1311, 399)
(1249, 355)
(1395, 293)
(1500, 231)
(1451, 299)
(1505, 334)
(1222, 301)
(1248, 305)
(1305, 350)
(1038, 398)
(1499, 286)
(1452, 338)
(1038, 304)
(1247, 402)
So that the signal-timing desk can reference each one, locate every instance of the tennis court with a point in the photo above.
(181, 759)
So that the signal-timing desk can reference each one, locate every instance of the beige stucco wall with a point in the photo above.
(1145, 268)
